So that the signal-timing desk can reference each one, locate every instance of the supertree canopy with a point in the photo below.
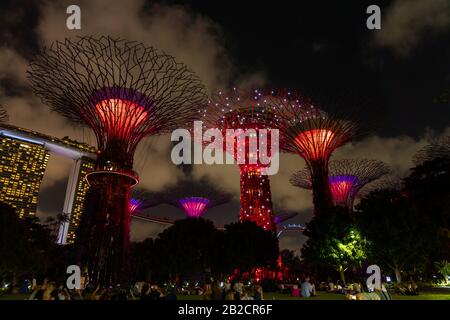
(123, 91)
(314, 135)
(194, 207)
(141, 200)
(438, 148)
(3, 115)
(346, 178)
(251, 113)
(194, 197)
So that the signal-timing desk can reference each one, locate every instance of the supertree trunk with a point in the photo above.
(322, 198)
(105, 239)
(256, 199)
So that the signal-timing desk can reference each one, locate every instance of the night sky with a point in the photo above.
(394, 77)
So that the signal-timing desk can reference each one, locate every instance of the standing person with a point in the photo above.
(258, 293)
(145, 292)
(216, 291)
(48, 293)
(238, 288)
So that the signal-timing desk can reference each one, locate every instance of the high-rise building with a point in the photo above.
(23, 158)
(22, 166)
(77, 188)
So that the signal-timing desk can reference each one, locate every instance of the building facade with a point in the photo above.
(22, 167)
(23, 159)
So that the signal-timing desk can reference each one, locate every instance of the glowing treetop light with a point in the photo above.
(134, 205)
(120, 117)
(194, 207)
(346, 178)
(341, 187)
(315, 143)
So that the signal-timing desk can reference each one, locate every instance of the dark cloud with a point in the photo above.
(406, 23)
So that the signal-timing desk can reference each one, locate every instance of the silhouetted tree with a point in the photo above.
(400, 235)
(187, 247)
(24, 244)
(248, 246)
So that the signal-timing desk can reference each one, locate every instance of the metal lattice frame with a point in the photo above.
(346, 178)
(439, 148)
(388, 182)
(122, 90)
(3, 115)
(314, 135)
(252, 110)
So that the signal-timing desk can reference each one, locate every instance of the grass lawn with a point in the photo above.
(434, 294)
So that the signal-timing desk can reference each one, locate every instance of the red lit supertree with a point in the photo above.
(194, 197)
(346, 178)
(124, 91)
(314, 135)
(242, 118)
(3, 115)
(437, 148)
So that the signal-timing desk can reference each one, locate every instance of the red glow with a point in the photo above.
(315, 144)
(120, 117)
(342, 187)
(256, 198)
(340, 191)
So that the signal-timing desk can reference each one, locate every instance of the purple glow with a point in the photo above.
(194, 207)
(134, 205)
(342, 187)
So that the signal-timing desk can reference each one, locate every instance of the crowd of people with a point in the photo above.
(234, 291)
(305, 287)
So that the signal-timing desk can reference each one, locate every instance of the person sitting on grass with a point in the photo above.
(307, 289)
(411, 288)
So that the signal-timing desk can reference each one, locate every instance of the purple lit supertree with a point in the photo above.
(346, 178)
(243, 118)
(141, 200)
(124, 91)
(438, 148)
(194, 197)
(314, 135)
(194, 207)
(3, 115)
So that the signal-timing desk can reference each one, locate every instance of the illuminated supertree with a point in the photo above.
(438, 148)
(314, 135)
(194, 197)
(245, 119)
(124, 91)
(3, 115)
(346, 178)
(194, 207)
(141, 200)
